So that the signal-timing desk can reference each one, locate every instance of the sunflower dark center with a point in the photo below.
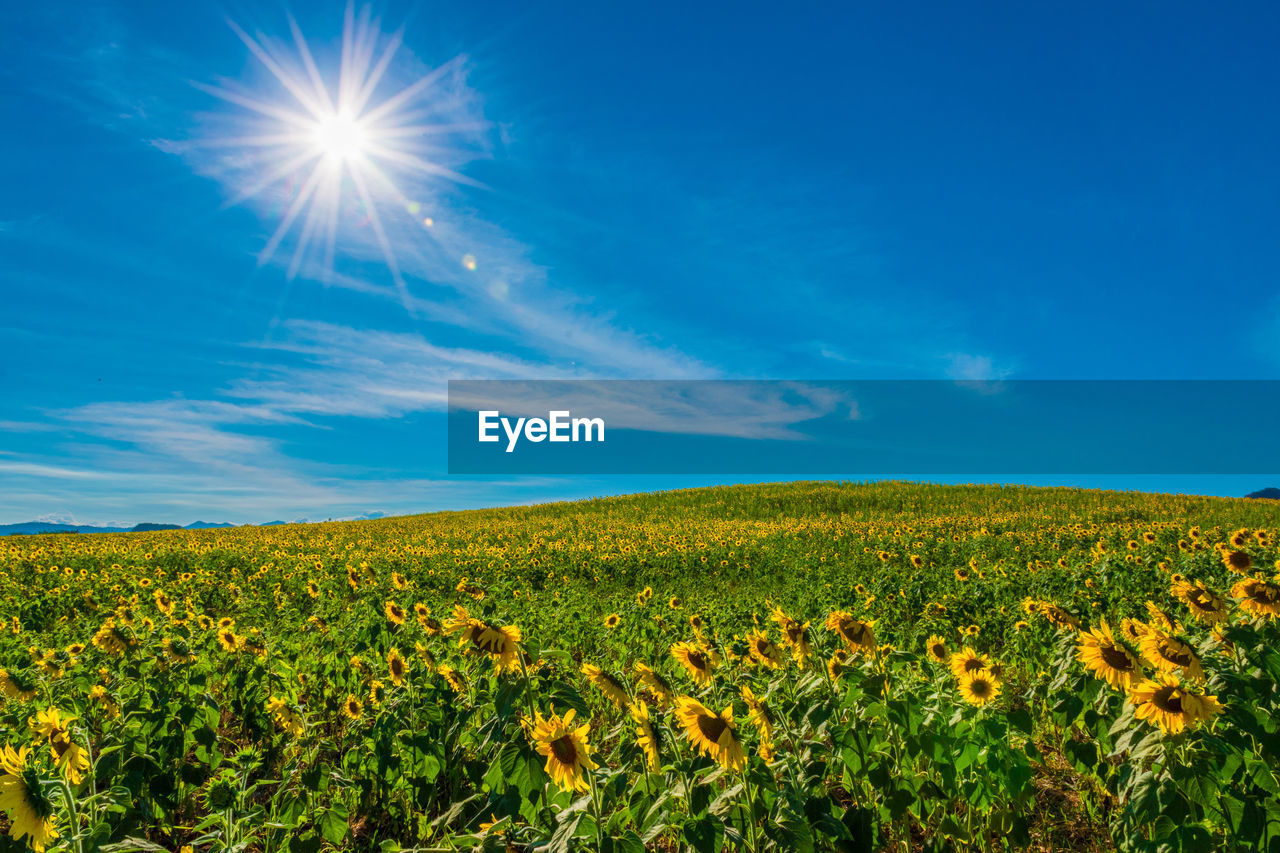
(1175, 656)
(974, 665)
(1116, 658)
(980, 687)
(1168, 699)
(697, 661)
(711, 727)
(565, 750)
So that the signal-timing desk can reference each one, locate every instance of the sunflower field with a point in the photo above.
(804, 666)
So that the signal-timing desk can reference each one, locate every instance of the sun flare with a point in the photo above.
(334, 158)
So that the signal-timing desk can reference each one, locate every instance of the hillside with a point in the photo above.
(822, 665)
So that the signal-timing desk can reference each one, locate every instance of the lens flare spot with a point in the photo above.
(469, 261)
(427, 222)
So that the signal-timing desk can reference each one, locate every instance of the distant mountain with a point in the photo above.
(149, 527)
(205, 525)
(272, 523)
(1270, 492)
(33, 527)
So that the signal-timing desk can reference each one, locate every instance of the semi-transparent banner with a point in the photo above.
(868, 427)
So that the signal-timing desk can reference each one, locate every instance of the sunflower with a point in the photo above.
(454, 678)
(1237, 561)
(498, 641)
(1168, 653)
(655, 683)
(675, 602)
(837, 664)
(979, 688)
(1258, 596)
(758, 713)
(352, 707)
(648, 736)
(377, 692)
(795, 634)
(961, 575)
(1113, 662)
(712, 734)
(1058, 617)
(968, 661)
(1133, 630)
(285, 716)
(1163, 619)
(23, 798)
(397, 666)
(228, 640)
(607, 684)
(855, 632)
(395, 613)
(567, 749)
(18, 685)
(1204, 604)
(613, 620)
(312, 589)
(474, 590)
(1166, 702)
(99, 694)
(764, 651)
(113, 639)
(937, 648)
(644, 595)
(177, 651)
(697, 660)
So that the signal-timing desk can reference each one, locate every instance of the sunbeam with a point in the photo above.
(332, 145)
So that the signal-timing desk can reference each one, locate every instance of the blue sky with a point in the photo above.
(647, 190)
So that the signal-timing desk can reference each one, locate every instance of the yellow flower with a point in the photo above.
(17, 685)
(758, 714)
(22, 797)
(763, 650)
(1258, 596)
(968, 661)
(1204, 604)
(856, 633)
(498, 641)
(352, 707)
(712, 734)
(613, 620)
(1168, 653)
(567, 749)
(655, 683)
(795, 634)
(1109, 660)
(979, 688)
(397, 667)
(394, 612)
(648, 736)
(937, 648)
(611, 687)
(1166, 702)
(699, 662)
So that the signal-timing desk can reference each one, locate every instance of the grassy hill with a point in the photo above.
(785, 666)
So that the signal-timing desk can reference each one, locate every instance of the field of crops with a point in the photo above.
(807, 666)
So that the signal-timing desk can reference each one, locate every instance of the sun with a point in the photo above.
(339, 137)
(332, 149)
